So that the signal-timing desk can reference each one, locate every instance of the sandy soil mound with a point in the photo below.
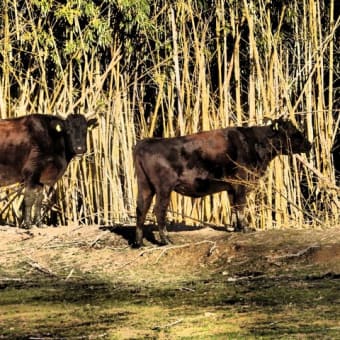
(108, 250)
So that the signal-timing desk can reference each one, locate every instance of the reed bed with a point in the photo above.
(198, 85)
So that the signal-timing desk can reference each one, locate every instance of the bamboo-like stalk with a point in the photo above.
(101, 187)
(5, 82)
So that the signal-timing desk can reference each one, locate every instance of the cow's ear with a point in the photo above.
(92, 123)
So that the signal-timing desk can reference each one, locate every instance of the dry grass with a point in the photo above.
(284, 78)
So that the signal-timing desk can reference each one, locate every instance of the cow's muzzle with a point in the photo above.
(79, 150)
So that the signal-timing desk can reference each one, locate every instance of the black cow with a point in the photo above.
(36, 150)
(336, 157)
(231, 159)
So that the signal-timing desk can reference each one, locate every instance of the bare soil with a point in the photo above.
(89, 283)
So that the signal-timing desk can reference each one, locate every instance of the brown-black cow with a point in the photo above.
(230, 159)
(36, 150)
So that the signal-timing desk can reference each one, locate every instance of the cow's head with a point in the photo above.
(74, 128)
(287, 138)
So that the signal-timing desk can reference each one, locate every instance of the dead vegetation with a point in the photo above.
(192, 248)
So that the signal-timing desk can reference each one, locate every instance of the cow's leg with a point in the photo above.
(37, 219)
(161, 205)
(241, 222)
(31, 196)
(238, 220)
(144, 200)
(237, 198)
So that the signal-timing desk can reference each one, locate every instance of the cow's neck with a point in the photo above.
(265, 152)
(261, 145)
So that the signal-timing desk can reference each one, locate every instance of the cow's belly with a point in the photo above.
(188, 183)
(188, 189)
(201, 186)
(52, 172)
(9, 175)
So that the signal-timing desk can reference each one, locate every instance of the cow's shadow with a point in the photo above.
(150, 230)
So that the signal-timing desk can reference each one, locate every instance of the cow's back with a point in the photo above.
(14, 149)
(208, 148)
(26, 144)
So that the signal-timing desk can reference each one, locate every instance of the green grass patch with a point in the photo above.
(208, 308)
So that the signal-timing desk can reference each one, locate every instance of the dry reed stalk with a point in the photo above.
(101, 188)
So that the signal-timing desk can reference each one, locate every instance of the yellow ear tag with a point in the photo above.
(58, 128)
(276, 126)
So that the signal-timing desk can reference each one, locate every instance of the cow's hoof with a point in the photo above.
(41, 225)
(229, 229)
(26, 226)
(165, 241)
(137, 245)
(246, 229)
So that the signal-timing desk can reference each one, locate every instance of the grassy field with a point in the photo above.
(87, 283)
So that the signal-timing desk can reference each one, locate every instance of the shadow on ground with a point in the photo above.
(150, 231)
